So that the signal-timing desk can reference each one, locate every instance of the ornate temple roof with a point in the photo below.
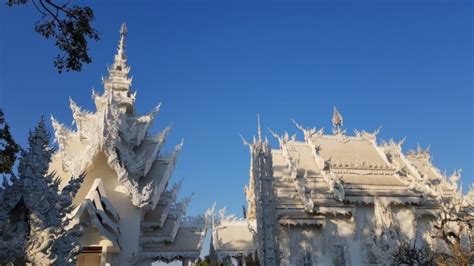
(325, 176)
(231, 237)
(187, 243)
(114, 142)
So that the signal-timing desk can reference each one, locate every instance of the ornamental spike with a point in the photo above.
(121, 48)
(259, 128)
(337, 120)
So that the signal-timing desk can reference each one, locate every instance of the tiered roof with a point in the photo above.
(333, 170)
(329, 174)
(117, 136)
(232, 237)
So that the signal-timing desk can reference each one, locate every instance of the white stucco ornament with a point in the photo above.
(35, 221)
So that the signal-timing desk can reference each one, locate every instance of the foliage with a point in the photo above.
(407, 253)
(452, 226)
(8, 148)
(205, 262)
(69, 26)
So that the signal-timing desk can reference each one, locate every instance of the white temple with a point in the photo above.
(335, 199)
(129, 213)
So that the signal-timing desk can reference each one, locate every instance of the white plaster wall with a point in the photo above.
(423, 230)
(353, 233)
(284, 245)
(130, 215)
(404, 217)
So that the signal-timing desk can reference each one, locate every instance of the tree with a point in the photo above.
(8, 148)
(71, 28)
(34, 212)
(452, 226)
(205, 262)
(407, 253)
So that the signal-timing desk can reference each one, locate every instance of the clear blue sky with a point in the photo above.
(214, 65)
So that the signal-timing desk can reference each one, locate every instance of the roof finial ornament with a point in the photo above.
(123, 30)
(121, 48)
(259, 128)
(337, 121)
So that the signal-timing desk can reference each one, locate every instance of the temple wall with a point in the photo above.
(404, 218)
(130, 216)
(422, 231)
(91, 237)
(345, 240)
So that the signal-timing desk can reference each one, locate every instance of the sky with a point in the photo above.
(214, 65)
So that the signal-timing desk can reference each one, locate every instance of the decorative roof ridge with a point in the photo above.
(309, 133)
(298, 180)
(176, 188)
(417, 179)
(78, 114)
(176, 213)
(339, 135)
(283, 139)
(147, 118)
(160, 136)
(158, 141)
(201, 222)
(372, 139)
(61, 133)
(334, 182)
(182, 205)
(221, 219)
(168, 200)
(420, 153)
(76, 108)
(424, 155)
(366, 135)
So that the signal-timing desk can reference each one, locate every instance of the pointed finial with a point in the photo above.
(259, 128)
(123, 30)
(121, 48)
(337, 120)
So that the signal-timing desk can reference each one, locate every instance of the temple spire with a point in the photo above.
(259, 128)
(118, 79)
(121, 48)
(120, 67)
